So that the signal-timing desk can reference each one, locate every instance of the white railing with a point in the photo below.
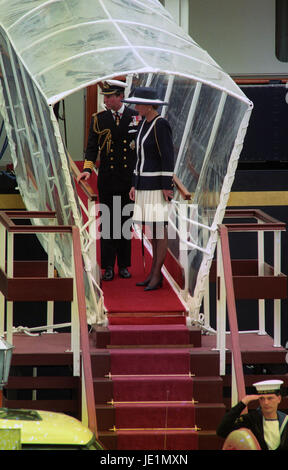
(8, 232)
(76, 294)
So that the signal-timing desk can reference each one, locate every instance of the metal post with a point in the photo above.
(2, 267)
(50, 303)
(277, 302)
(10, 256)
(261, 302)
(221, 310)
(75, 326)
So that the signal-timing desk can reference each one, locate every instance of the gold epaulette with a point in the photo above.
(99, 112)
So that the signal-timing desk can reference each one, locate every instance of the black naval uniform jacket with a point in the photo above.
(253, 421)
(116, 147)
(155, 155)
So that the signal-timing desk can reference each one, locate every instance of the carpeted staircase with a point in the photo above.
(154, 388)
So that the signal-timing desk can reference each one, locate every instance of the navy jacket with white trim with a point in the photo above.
(155, 155)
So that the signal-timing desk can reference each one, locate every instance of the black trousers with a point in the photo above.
(116, 219)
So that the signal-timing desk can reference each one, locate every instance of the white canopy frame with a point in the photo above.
(57, 47)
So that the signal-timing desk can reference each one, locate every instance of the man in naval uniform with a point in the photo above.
(112, 138)
(267, 423)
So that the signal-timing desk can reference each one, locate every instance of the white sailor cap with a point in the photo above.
(111, 87)
(268, 386)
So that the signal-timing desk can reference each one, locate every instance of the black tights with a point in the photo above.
(159, 243)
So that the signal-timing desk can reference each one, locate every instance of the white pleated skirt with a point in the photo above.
(150, 206)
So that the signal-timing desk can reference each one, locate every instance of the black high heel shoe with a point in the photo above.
(156, 286)
(143, 283)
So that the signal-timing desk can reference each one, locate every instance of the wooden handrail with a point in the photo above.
(6, 217)
(232, 315)
(181, 188)
(93, 197)
(83, 184)
(86, 358)
(268, 222)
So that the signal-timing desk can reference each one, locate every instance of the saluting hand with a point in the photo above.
(248, 398)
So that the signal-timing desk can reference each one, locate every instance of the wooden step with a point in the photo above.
(207, 440)
(205, 389)
(161, 318)
(202, 362)
(146, 335)
(207, 415)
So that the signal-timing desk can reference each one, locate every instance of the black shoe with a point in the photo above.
(108, 275)
(156, 286)
(143, 283)
(123, 272)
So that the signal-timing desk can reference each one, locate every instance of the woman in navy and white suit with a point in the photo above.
(153, 177)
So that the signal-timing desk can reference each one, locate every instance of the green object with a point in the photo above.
(10, 439)
(47, 430)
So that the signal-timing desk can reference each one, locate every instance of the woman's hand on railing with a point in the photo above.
(181, 188)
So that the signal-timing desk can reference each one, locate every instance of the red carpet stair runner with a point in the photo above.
(155, 388)
(150, 386)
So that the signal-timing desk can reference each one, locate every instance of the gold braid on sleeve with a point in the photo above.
(88, 165)
(105, 136)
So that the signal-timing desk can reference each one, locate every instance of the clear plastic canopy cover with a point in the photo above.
(52, 48)
(69, 44)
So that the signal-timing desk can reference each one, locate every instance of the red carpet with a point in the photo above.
(148, 334)
(143, 320)
(150, 361)
(141, 388)
(153, 396)
(149, 348)
(123, 296)
(158, 440)
(152, 415)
